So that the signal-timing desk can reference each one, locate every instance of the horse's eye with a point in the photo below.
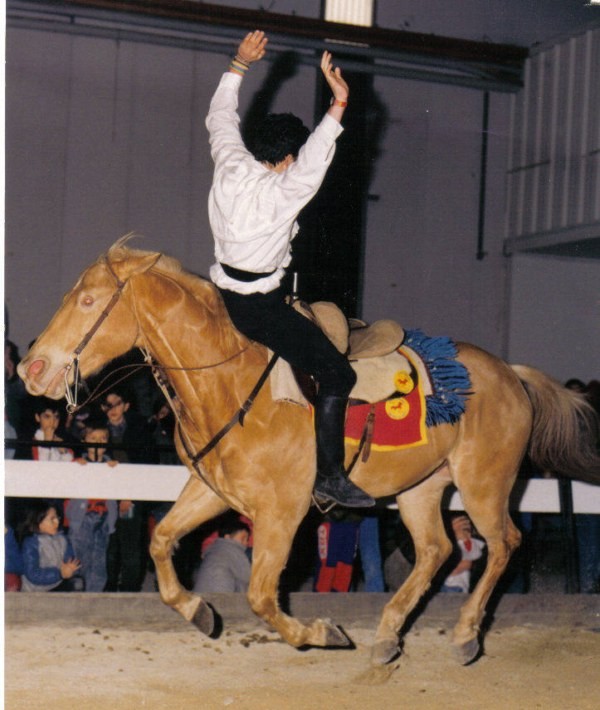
(87, 300)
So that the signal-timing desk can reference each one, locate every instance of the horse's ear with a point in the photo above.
(133, 265)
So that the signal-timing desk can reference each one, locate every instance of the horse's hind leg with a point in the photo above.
(273, 534)
(195, 505)
(489, 513)
(420, 508)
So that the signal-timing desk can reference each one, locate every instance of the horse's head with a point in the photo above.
(95, 323)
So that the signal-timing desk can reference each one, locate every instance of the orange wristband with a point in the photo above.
(337, 102)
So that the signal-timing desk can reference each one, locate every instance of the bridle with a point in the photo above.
(72, 392)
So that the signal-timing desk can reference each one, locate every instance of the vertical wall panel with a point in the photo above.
(555, 140)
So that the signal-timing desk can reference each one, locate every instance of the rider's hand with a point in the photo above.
(252, 47)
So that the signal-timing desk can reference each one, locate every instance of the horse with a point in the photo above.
(261, 461)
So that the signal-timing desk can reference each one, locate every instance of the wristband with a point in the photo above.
(337, 102)
(238, 66)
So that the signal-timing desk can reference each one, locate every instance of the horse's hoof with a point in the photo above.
(204, 618)
(337, 637)
(384, 651)
(467, 652)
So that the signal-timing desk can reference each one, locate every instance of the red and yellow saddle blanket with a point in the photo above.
(396, 421)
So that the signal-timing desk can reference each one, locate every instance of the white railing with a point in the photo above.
(47, 479)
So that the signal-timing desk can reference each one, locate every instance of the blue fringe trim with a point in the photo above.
(450, 378)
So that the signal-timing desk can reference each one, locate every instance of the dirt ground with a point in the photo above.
(524, 668)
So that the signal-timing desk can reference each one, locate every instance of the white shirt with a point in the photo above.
(252, 209)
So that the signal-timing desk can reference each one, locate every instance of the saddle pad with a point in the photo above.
(399, 416)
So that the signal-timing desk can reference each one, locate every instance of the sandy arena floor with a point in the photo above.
(95, 668)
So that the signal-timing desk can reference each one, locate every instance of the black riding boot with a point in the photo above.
(332, 482)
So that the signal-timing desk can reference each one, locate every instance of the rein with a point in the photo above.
(72, 392)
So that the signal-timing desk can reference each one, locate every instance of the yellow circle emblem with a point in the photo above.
(397, 408)
(403, 382)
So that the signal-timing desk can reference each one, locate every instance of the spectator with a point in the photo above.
(13, 561)
(15, 394)
(337, 543)
(92, 521)
(49, 563)
(587, 525)
(471, 549)
(47, 417)
(370, 553)
(225, 566)
(126, 555)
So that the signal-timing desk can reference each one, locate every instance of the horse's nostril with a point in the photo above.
(35, 368)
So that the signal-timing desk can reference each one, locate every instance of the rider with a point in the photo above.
(253, 204)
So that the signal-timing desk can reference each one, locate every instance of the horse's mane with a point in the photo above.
(169, 264)
(202, 290)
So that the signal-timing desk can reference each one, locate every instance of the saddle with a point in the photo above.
(358, 340)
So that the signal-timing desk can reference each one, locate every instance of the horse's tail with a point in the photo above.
(564, 438)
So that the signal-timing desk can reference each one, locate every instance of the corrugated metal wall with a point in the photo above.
(554, 161)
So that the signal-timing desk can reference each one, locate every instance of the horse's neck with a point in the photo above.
(187, 331)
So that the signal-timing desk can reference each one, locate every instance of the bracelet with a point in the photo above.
(337, 102)
(238, 66)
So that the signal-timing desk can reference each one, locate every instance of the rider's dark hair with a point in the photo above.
(276, 136)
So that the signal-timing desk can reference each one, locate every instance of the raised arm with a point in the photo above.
(252, 48)
(339, 88)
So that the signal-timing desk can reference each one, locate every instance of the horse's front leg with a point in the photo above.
(420, 509)
(274, 531)
(196, 504)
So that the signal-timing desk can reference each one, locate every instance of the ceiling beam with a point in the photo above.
(481, 65)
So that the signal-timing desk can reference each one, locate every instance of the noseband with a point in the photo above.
(72, 392)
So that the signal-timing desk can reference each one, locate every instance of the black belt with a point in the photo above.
(247, 276)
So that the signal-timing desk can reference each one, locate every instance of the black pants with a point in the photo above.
(268, 319)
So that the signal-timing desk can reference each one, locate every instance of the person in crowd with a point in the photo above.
(49, 563)
(253, 206)
(225, 566)
(587, 525)
(49, 422)
(9, 433)
(92, 521)
(15, 394)
(48, 419)
(131, 442)
(369, 548)
(471, 549)
(337, 545)
(13, 561)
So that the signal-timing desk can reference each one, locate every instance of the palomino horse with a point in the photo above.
(265, 468)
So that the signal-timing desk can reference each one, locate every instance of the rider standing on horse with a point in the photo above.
(253, 205)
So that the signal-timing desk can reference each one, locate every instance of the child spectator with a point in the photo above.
(127, 544)
(225, 566)
(47, 418)
(49, 563)
(92, 521)
(471, 549)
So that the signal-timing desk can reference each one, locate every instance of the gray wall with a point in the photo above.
(105, 137)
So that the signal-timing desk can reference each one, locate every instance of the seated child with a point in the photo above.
(49, 563)
(92, 521)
